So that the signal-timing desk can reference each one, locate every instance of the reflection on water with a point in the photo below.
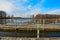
(8, 34)
(46, 34)
(50, 34)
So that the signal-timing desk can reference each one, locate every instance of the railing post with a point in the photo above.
(38, 25)
(43, 22)
(37, 30)
(56, 21)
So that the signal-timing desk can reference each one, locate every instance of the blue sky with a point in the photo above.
(25, 8)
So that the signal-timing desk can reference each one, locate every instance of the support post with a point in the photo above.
(38, 25)
(56, 21)
(37, 30)
(43, 22)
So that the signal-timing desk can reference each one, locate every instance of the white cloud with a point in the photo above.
(35, 10)
(9, 7)
(25, 0)
(32, 12)
(55, 11)
(6, 6)
(29, 6)
(17, 15)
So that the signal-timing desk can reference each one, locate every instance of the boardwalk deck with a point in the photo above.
(18, 28)
(17, 38)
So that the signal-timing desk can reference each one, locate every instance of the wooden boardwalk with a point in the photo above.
(30, 29)
(17, 38)
(18, 28)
